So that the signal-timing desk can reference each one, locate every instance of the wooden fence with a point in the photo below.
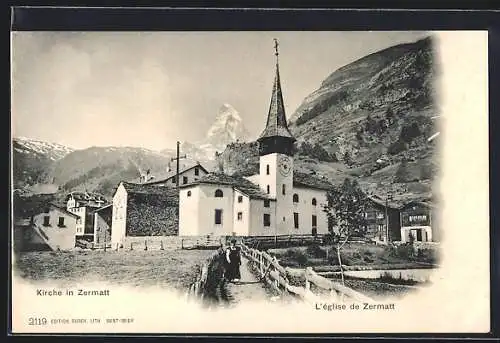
(277, 276)
(281, 241)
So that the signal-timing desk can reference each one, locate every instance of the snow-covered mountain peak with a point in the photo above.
(52, 151)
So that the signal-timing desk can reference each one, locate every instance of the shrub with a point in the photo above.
(396, 147)
(297, 255)
(315, 250)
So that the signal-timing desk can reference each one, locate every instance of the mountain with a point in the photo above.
(374, 115)
(227, 128)
(102, 168)
(32, 159)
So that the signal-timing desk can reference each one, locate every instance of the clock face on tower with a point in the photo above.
(284, 165)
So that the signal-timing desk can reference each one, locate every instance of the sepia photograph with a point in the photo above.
(289, 171)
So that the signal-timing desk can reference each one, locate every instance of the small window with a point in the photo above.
(313, 201)
(295, 197)
(196, 171)
(173, 179)
(46, 220)
(283, 190)
(240, 198)
(240, 215)
(189, 193)
(79, 220)
(268, 189)
(296, 220)
(184, 180)
(61, 222)
(218, 193)
(314, 221)
(267, 219)
(267, 169)
(218, 217)
(266, 203)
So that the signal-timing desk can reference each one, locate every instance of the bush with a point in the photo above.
(297, 255)
(404, 251)
(315, 250)
(396, 147)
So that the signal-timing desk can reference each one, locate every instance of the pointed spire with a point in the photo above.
(276, 118)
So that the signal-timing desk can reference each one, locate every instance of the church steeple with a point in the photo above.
(276, 136)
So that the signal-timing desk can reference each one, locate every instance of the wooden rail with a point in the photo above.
(270, 270)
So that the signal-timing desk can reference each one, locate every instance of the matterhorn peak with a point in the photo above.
(227, 127)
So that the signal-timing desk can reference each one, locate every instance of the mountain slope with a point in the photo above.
(102, 168)
(373, 115)
(32, 159)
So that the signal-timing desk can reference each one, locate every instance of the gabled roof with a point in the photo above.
(169, 175)
(276, 119)
(418, 203)
(137, 188)
(104, 208)
(63, 210)
(381, 202)
(86, 196)
(310, 181)
(237, 182)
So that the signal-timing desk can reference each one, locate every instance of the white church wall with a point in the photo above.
(189, 211)
(258, 210)
(208, 203)
(306, 210)
(241, 224)
(119, 221)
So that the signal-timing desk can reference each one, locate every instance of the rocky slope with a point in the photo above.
(375, 116)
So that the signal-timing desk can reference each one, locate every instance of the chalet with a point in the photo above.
(276, 201)
(143, 210)
(52, 228)
(379, 215)
(419, 219)
(84, 204)
(188, 173)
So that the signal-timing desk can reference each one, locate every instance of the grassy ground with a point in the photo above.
(169, 268)
(353, 254)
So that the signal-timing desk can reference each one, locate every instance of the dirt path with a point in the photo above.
(248, 288)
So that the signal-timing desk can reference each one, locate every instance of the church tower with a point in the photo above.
(276, 157)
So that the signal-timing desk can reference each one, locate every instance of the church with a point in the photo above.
(276, 201)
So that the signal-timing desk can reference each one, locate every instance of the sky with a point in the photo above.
(151, 89)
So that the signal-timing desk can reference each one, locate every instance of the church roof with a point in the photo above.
(238, 182)
(310, 181)
(276, 120)
(149, 193)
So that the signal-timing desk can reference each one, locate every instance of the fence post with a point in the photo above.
(131, 246)
(145, 244)
(182, 243)
(308, 283)
(117, 246)
(161, 245)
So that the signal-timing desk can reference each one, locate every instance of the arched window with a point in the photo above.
(189, 193)
(313, 201)
(283, 190)
(295, 197)
(267, 169)
(218, 193)
(268, 190)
